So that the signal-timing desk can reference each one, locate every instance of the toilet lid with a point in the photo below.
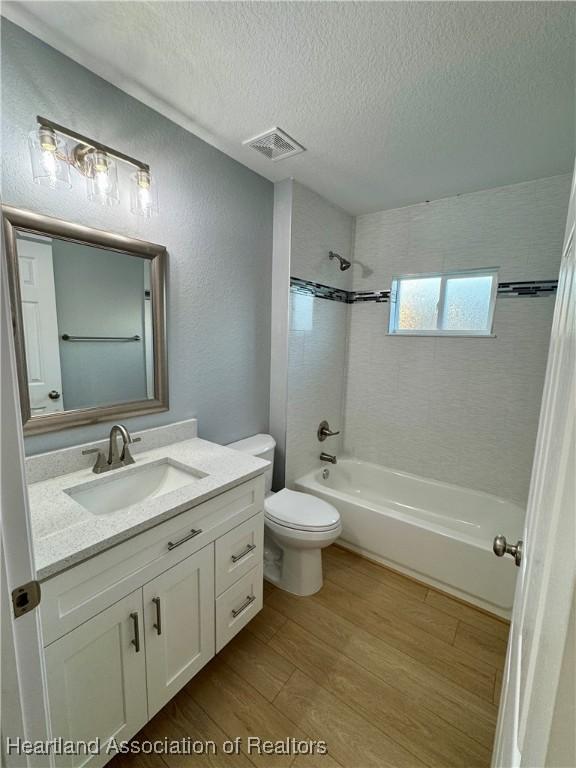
(301, 511)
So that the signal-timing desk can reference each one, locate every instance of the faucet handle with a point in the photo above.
(101, 463)
(126, 456)
(324, 431)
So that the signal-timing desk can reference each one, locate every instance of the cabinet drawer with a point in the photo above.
(238, 551)
(74, 596)
(240, 603)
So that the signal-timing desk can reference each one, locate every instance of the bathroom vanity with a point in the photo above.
(137, 598)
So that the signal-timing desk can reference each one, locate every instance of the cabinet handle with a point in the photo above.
(247, 551)
(249, 600)
(158, 625)
(174, 544)
(136, 641)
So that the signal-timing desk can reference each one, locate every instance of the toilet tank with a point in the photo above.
(261, 446)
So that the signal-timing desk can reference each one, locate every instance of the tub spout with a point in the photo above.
(328, 457)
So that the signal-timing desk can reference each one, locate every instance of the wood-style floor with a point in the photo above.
(385, 670)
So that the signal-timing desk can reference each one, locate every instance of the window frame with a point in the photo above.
(487, 333)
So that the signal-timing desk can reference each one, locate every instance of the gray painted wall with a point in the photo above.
(215, 221)
(99, 293)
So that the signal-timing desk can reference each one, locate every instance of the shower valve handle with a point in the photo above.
(324, 431)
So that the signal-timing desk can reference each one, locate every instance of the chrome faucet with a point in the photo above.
(115, 457)
(328, 457)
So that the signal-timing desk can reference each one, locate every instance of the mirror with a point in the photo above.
(88, 316)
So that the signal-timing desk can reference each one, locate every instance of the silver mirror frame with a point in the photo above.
(16, 219)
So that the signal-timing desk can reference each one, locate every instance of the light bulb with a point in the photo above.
(102, 178)
(49, 159)
(47, 139)
(143, 194)
(102, 181)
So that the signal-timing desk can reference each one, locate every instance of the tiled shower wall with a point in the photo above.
(460, 410)
(318, 330)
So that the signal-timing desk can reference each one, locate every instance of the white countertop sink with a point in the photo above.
(136, 484)
(77, 514)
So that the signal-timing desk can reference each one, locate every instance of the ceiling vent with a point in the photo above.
(275, 144)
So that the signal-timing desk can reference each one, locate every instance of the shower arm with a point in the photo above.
(344, 263)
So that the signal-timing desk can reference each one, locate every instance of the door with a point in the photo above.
(40, 325)
(545, 588)
(97, 680)
(24, 703)
(179, 614)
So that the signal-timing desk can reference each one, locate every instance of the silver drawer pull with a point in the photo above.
(249, 600)
(174, 544)
(136, 641)
(247, 551)
(158, 625)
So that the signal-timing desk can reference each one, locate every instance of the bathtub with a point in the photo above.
(438, 533)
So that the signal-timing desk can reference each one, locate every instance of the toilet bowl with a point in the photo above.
(297, 526)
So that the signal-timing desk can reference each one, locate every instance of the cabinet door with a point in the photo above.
(179, 616)
(97, 680)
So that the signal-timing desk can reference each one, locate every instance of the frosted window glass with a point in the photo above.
(418, 303)
(467, 303)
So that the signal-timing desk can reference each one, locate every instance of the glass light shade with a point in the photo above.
(143, 194)
(102, 178)
(48, 155)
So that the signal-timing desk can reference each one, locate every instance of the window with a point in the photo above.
(450, 304)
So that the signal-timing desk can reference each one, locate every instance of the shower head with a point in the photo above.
(344, 263)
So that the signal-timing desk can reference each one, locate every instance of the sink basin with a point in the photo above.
(134, 485)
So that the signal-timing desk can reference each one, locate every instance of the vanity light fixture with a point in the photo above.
(53, 154)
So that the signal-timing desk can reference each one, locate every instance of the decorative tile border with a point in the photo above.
(379, 297)
(505, 290)
(320, 291)
(528, 288)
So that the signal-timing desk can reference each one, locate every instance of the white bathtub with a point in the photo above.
(439, 533)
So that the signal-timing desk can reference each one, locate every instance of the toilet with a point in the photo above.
(297, 526)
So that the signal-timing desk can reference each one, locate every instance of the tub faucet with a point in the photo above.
(328, 457)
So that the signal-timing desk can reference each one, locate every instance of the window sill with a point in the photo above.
(443, 335)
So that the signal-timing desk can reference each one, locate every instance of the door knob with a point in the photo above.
(54, 394)
(501, 548)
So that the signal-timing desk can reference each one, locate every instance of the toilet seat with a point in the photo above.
(300, 511)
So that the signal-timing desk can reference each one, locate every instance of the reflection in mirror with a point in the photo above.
(88, 310)
(87, 321)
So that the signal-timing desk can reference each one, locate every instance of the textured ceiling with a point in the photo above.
(395, 102)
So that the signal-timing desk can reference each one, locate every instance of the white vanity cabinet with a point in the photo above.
(97, 680)
(127, 628)
(179, 626)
